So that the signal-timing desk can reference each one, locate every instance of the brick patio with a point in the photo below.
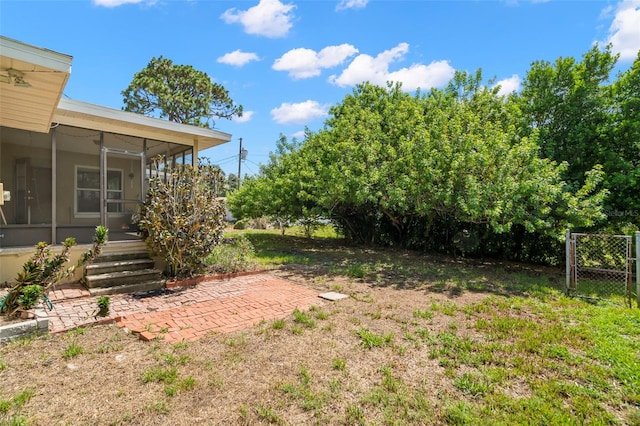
(187, 313)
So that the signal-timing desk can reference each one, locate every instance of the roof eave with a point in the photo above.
(47, 73)
(96, 117)
(36, 55)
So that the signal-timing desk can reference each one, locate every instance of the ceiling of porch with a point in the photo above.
(31, 83)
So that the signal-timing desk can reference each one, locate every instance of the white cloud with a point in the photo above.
(270, 18)
(351, 4)
(300, 134)
(116, 3)
(419, 76)
(367, 68)
(606, 12)
(376, 71)
(237, 58)
(246, 116)
(509, 85)
(300, 113)
(624, 32)
(305, 63)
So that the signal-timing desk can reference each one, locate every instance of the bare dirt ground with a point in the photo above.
(346, 362)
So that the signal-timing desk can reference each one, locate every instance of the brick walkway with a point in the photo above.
(187, 313)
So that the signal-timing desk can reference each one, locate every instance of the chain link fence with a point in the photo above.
(600, 266)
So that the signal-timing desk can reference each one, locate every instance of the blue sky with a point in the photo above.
(287, 62)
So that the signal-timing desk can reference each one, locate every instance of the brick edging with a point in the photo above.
(193, 281)
(104, 321)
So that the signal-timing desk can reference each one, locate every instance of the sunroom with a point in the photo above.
(68, 166)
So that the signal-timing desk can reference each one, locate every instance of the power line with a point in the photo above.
(250, 169)
(254, 163)
(233, 157)
(229, 161)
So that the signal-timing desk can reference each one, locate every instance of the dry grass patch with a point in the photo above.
(429, 347)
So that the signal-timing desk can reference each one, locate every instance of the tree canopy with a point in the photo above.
(279, 191)
(427, 170)
(584, 119)
(178, 93)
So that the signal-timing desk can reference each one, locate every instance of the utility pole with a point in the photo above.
(242, 154)
(239, 162)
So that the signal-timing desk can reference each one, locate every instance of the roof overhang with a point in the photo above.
(29, 100)
(89, 116)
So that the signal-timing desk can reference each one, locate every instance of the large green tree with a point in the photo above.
(567, 103)
(584, 119)
(623, 159)
(418, 163)
(178, 93)
(278, 192)
(414, 170)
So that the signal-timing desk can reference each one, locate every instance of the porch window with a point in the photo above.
(88, 191)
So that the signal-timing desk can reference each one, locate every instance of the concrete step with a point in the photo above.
(116, 246)
(121, 255)
(128, 288)
(121, 278)
(118, 266)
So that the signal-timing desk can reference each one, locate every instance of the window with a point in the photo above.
(88, 191)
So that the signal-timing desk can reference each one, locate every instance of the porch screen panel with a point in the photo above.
(25, 172)
(78, 182)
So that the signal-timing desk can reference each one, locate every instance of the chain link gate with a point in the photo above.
(600, 266)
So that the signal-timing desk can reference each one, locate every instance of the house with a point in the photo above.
(68, 166)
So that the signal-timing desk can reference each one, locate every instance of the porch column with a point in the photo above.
(143, 171)
(194, 156)
(54, 186)
(103, 183)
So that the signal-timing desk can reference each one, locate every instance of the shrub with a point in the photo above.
(30, 296)
(234, 255)
(310, 224)
(261, 223)
(44, 270)
(182, 218)
(103, 306)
